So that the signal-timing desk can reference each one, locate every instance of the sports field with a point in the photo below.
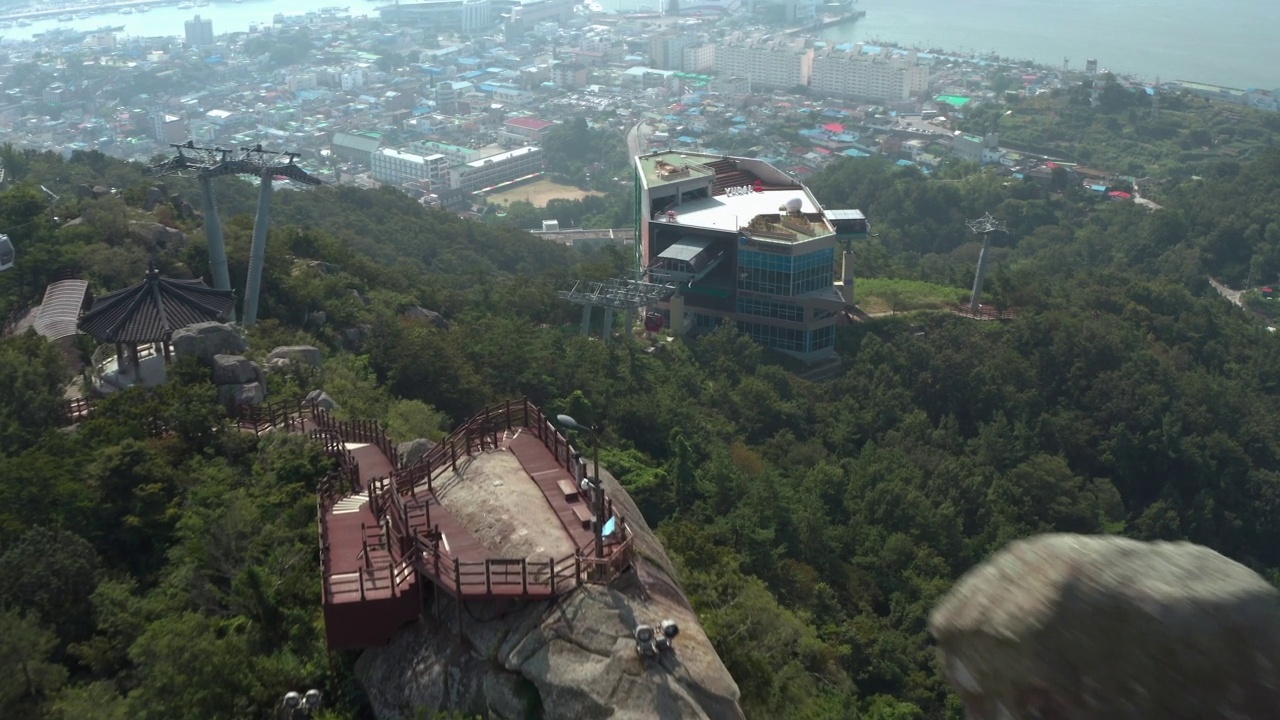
(539, 193)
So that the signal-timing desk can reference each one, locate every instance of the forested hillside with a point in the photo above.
(814, 524)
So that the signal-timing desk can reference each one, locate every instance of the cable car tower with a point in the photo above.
(984, 226)
(615, 294)
(208, 163)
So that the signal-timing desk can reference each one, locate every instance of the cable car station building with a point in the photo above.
(745, 243)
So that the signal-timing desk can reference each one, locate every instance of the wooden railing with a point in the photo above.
(985, 312)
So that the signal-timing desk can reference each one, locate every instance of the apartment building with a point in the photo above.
(850, 73)
(699, 58)
(464, 16)
(767, 64)
(666, 50)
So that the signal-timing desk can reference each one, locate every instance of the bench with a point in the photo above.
(569, 489)
(584, 514)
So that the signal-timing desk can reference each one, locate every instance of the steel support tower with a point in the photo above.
(615, 294)
(209, 163)
(984, 225)
(267, 166)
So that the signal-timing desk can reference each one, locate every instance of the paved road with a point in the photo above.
(635, 138)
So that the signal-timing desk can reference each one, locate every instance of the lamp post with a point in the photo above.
(596, 486)
(294, 706)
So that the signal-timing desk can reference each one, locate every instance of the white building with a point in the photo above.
(301, 81)
(854, 74)
(465, 16)
(495, 169)
(700, 58)
(395, 167)
(346, 78)
(666, 50)
(774, 64)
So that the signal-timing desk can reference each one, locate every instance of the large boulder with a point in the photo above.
(300, 354)
(416, 312)
(414, 450)
(322, 400)
(243, 394)
(572, 659)
(1077, 627)
(154, 236)
(205, 340)
(234, 370)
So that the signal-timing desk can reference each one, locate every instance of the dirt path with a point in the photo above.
(504, 509)
(1228, 293)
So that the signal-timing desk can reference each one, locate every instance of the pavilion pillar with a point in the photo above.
(608, 324)
(133, 360)
(586, 320)
(631, 320)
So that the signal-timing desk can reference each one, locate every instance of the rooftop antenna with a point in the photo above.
(985, 225)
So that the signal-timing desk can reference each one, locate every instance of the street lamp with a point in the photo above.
(596, 485)
(295, 705)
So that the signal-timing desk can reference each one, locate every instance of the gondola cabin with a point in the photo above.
(7, 253)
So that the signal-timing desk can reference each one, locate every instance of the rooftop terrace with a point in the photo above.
(666, 168)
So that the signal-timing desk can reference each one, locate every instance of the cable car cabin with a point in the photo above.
(7, 253)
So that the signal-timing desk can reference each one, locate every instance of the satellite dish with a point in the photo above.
(794, 204)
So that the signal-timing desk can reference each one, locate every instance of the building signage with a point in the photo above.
(739, 191)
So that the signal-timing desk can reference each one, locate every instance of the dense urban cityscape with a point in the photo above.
(446, 99)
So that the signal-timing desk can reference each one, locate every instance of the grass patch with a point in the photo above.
(886, 295)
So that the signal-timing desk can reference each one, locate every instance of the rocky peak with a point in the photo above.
(572, 658)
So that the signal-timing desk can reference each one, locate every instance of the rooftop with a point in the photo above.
(530, 123)
(731, 212)
(666, 168)
(504, 156)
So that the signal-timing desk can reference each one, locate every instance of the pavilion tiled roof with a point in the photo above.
(151, 310)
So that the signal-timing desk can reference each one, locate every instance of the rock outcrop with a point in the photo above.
(572, 659)
(286, 355)
(1071, 627)
(207, 339)
(417, 312)
(412, 451)
(239, 380)
(154, 236)
(322, 400)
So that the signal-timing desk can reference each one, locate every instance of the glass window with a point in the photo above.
(770, 309)
(774, 274)
(779, 338)
(821, 338)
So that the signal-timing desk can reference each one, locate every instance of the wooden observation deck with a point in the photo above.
(383, 530)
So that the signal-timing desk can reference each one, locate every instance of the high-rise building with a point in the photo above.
(199, 32)
(768, 64)
(666, 50)
(875, 77)
(744, 243)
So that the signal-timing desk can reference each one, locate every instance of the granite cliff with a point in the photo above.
(574, 658)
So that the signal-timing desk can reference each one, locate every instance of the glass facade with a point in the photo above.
(787, 275)
(792, 339)
(770, 309)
